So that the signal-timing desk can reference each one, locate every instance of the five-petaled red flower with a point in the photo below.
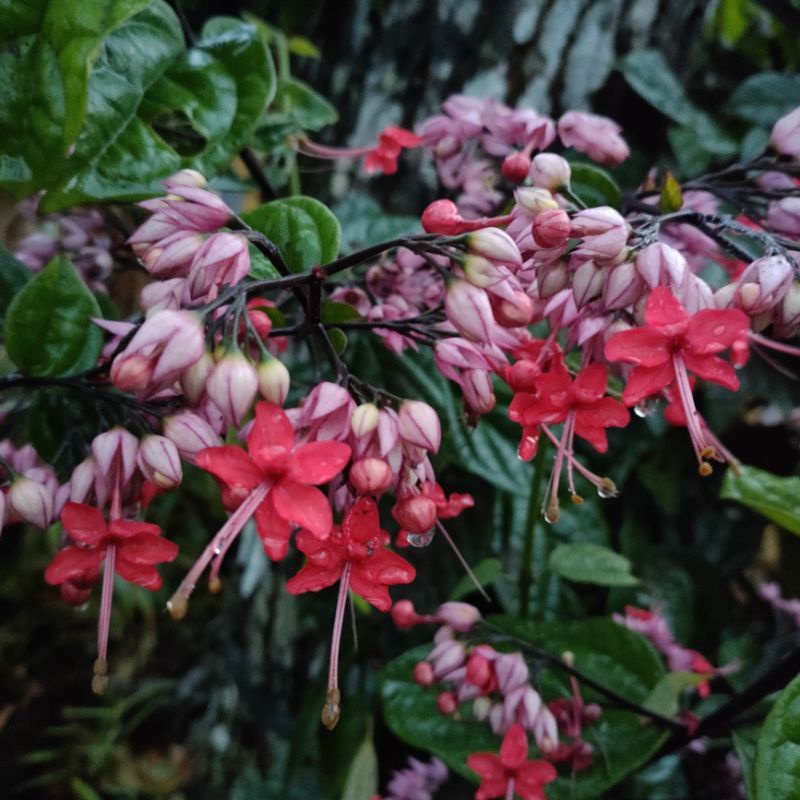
(671, 332)
(557, 395)
(391, 143)
(138, 546)
(292, 473)
(497, 772)
(359, 542)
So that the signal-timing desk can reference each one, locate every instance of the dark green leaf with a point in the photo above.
(260, 267)
(309, 110)
(666, 694)
(362, 777)
(745, 741)
(305, 230)
(765, 97)
(48, 328)
(487, 572)
(591, 563)
(594, 186)
(777, 771)
(13, 276)
(338, 339)
(650, 76)
(777, 498)
(332, 313)
(365, 223)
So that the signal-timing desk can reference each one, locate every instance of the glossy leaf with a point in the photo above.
(594, 185)
(666, 694)
(777, 498)
(652, 78)
(13, 276)
(777, 769)
(487, 572)
(305, 230)
(338, 312)
(48, 328)
(308, 109)
(585, 562)
(745, 741)
(765, 97)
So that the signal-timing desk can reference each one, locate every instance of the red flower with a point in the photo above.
(291, 473)
(672, 334)
(391, 143)
(527, 778)
(138, 546)
(557, 396)
(450, 506)
(359, 542)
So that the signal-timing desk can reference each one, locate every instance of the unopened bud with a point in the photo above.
(194, 378)
(423, 674)
(461, 617)
(232, 386)
(159, 461)
(404, 615)
(550, 171)
(31, 501)
(481, 272)
(551, 228)
(364, 419)
(441, 216)
(273, 381)
(446, 703)
(494, 244)
(535, 200)
(331, 710)
(416, 514)
(418, 425)
(515, 167)
(190, 433)
(371, 476)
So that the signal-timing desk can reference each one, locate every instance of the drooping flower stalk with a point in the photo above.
(332, 708)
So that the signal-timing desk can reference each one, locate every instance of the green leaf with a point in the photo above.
(362, 777)
(365, 223)
(666, 694)
(608, 652)
(745, 741)
(487, 572)
(309, 110)
(13, 276)
(765, 97)
(260, 266)
(594, 185)
(777, 772)
(305, 230)
(591, 563)
(338, 339)
(671, 197)
(777, 498)
(300, 46)
(48, 328)
(332, 313)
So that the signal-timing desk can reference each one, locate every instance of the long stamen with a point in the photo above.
(332, 709)
(510, 789)
(702, 448)
(551, 508)
(100, 677)
(226, 535)
(315, 150)
(780, 347)
(461, 559)
(605, 486)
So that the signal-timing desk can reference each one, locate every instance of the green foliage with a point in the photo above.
(777, 498)
(487, 572)
(594, 185)
(591, 563)
(777, 767)
(48, 328)
(666, 694)
(305, 230)
(13, 276)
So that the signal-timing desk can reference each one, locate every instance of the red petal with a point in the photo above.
(126, 528)
(147, 549)
(530, 778)
(303, 505)
(273, 530)
(387, 568)
(271, 434)
(712, 368)
(318, 462)
(144, 575)
(74, 562)
(231, 465)
(646, 347)
(646, 381)
(711, 330)
(514, 749)
(375, 593)
(402, 136)
(519, 404)
(590, 384)
(488, 766)
(312, 578)
(604, 413)
(84, 524)
(663, 309)
(362, 521)
(594, 435)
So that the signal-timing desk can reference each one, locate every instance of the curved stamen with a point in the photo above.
(332, 708)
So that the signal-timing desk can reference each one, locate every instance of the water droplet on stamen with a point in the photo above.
(420, 539)
(607, 488)
(552, 513)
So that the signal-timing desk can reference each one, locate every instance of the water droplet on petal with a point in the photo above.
(420, 539)
(646, 408)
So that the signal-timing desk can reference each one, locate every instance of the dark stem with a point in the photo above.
(250, 160)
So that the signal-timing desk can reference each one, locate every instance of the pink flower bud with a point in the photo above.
(446, 703)
(160, 295)
(623, 287)
(233, 386)
(551, 278)
(82, 480)
(481, 272)
(785, 136)
(587, 283)
(596, 221)
(447, 657)
(481, 708)
(783, 217)
(190, 434)
(159, 461)
(551, 228)
(31, 501)
(371, 476)
(419, 426)
(273, 381)
(364, 419)
(494, 244)
(469, 310)
(416, 513)
(185, 178)
(476, 385)
(763, 284)
(194, 378)
(596, 136)
(549, 171)
(696, 294)
(511, 671)
(534, 201)
(661, 265)
(404, 615)
(172, 256)
(423, 674)
(441, 216)
(515, 167)
(115, 458)
(461, 617)
(223, 260)
(531, 705)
